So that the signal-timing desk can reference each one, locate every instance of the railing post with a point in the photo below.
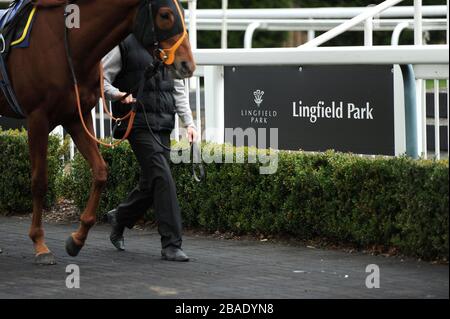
(192, 8)
(402, 104)
(399, 112)
(102, 118)
(214, 104)
(311, 33)
(411, 127)
(176, 130)
(420, 91)
(71, 149)
(224, 37)
(395, 40)
(418, 29)
(94, 120)
(448, 83)
(437, 121)
(368, 30)
(423, 117)
(249, 32)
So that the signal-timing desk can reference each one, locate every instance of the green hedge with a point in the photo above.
(394, 202)
(15, 171)
(122, 178)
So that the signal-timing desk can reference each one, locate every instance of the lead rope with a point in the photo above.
(131, 115)
(167, 59)
(195, 154)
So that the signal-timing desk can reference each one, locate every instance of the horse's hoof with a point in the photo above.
(45, 259)
(72, 248)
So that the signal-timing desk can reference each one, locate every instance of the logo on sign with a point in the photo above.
(258, 97)
(258, 115)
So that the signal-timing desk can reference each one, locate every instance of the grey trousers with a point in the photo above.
(156, 188)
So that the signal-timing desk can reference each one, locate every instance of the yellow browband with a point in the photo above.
(168, 55)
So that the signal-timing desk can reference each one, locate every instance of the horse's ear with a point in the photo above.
(165, 18)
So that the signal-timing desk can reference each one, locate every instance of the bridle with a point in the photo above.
(144, 31)
(168, 55)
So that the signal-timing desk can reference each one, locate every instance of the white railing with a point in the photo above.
(311, 13)
(407, 54)
(430, 62)
(312, 26)
(310, 20)
(366, 17)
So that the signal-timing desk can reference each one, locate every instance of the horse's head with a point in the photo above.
(160, 27)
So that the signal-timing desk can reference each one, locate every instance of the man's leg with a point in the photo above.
(156, 169)
(165, 201)
(139, 200)
(158, 185)
(166, 205)
(157, 178)
(127, 214)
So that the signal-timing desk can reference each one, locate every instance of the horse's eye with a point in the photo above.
(165, 16)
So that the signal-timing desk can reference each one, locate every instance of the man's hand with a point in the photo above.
(192, 134)
(128, 100)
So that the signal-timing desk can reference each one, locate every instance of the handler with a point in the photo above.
(162, 97)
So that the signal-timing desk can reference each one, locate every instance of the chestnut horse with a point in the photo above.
(41, 78)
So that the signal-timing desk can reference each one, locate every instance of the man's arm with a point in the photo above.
(184, 109)
(112, 65)
(182, 104)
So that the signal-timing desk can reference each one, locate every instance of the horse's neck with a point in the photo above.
(104, 24)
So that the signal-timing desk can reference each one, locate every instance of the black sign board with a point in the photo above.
(348, 108)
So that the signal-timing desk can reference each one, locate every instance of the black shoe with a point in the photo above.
(174, 254)
(116, 236)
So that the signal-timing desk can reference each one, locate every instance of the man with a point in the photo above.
(162, 97)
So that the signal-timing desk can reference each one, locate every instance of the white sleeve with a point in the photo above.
(112, 65)
(182, 104)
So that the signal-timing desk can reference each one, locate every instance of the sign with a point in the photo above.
(315, 108)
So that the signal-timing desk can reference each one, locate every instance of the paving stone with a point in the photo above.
(218, 269)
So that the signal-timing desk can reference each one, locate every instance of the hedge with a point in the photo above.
(15, 171)
(393, 202)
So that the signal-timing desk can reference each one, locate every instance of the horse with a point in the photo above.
(41, 78)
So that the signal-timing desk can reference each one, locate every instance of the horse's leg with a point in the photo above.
(38, 130)
(89, 149)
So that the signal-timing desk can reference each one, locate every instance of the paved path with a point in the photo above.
(219, 269)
